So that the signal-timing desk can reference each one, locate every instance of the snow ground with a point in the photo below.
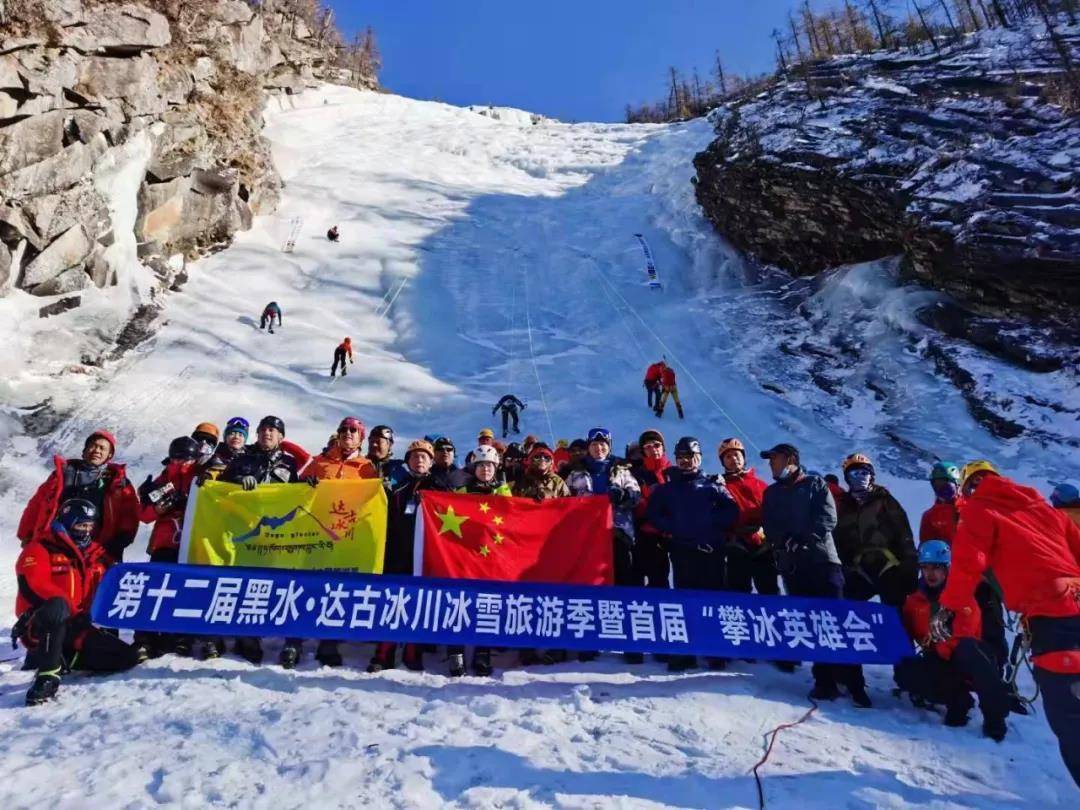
(481, 256)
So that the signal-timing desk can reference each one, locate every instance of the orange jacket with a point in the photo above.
(346, 346)
(940, 520)
(332, 464)
(667, 377)
(917, 611)
(119, 515)
(1033, 548)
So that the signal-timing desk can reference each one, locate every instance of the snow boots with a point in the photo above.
(212, 648)
(481, 662)
(290, 654)
(456, 664)
(44, 688)
(328, 654)
(250, 649)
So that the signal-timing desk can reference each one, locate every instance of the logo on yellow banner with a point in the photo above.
(338, 525)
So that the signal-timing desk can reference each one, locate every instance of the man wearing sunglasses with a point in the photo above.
(346, 458)
(539, 480)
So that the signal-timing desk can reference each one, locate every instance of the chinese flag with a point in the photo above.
(562, 540)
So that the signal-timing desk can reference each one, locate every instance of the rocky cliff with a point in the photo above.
(138, 125)
(963, 161)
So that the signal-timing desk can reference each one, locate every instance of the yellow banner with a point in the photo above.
(337, 525)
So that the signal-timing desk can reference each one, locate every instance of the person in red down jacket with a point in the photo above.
(651, 566)
(1035, 551)
(164, 500)
(945, 672)
(652, 383)
(57, 574)
(93, 477)
(668, 388)
(750, 562)
(940, 522)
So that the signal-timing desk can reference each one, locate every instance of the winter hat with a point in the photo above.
(352, 422)
(782, 449)
(687, 446)
(237, 424)
(102, 434)
(540, 449)
(272, 422)
(651, 435)
(1064, 494)
(208, 429)
(562, 444)
(422, 446)
(579, 444)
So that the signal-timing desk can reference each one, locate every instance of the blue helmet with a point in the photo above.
(1064, 494)
(945, 470)
(599, 434)
(935, 552)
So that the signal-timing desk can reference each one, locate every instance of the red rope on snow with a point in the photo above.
(768, 750)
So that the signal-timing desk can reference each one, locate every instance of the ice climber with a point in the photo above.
(510, 406)
(341, 353)
(270, 311)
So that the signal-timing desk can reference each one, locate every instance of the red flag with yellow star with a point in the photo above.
(563, 540)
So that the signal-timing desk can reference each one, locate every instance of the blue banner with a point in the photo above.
(204, 600)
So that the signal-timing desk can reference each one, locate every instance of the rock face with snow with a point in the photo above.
(959, 160)
(79, 80)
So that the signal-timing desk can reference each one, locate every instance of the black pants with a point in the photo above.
(161, 642)
(950, 683)
(650, 566)
(57, 635)
(653, 394)
(622, 556)
(1060, 691)
(268, 319)
(747, 569)
(993, 623)
(825, 580)
(697, 570)
(339, 357)
(893, 585)
(508, 415)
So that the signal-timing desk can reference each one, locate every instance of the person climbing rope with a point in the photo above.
(669, 389)
(652, 383)
(343, 350)
(270, 311)
(509, 405)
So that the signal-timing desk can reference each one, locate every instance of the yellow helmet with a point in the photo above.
(857, 460)
(972, 467)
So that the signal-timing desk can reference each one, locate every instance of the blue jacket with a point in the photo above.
(695, 509)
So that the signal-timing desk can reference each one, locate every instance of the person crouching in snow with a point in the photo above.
(57, 576)
(270, 311)
(945, 672)
(163, 501)
(333, 234)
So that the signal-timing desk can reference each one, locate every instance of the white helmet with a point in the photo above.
(485, 452)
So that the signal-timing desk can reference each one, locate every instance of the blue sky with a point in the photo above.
(580, 60)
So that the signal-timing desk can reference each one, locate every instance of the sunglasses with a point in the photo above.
(444, 449)
(542, 457)
(348, 430)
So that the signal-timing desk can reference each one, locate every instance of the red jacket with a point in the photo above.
(120, 513)
(667, 377)
(52, 565)
(747, 490)
(561, 456)
(1032, 547)
(917, 611)
(166, 532)
(650, 474)
(939, 521)
(652, 374)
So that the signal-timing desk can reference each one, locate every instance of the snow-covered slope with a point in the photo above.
(481, 256)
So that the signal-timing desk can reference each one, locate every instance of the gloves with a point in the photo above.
(941, 625)
(311, 480)
(616, 495)
(145, 488)
(20, 628)
(249, 482)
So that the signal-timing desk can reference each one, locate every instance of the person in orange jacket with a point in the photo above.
(945, 672)
(652, 383)
(940, 522)
(343, 351)
(58, 574)
(1034, 550)
(345, 459)
(163, 501)
(750, 562)
(94, 477)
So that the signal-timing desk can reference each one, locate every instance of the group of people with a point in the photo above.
(985, 543)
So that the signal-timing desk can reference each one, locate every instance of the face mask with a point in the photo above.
(859, 479)
(787, 473)
(945, 490)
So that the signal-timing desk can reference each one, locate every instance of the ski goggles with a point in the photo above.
(238, 424)
(600, 435)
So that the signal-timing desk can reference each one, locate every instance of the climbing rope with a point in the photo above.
(669, 353)
(768, 750)
(1019, 657)
(383, 310)
(532, 355)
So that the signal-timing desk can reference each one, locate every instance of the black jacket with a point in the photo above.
(273, 467)
(509, 403)
(799, 518)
